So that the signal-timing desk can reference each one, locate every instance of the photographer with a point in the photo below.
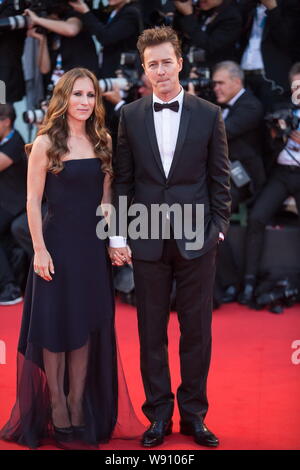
(243, 117)
(284, 181)
(12, 196)
(70, 46)
(11, 50)
(118, 35)
(265, 48)
(214, 27)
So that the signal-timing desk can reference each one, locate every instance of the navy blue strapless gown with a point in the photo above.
(75, 307)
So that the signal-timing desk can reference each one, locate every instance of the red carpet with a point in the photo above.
(253, 384)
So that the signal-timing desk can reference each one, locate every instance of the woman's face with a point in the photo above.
(82, 99)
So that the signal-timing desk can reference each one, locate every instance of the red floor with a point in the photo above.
(253, 383)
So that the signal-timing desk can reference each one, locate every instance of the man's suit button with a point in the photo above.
(166, 186)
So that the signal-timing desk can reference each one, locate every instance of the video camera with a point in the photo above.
(283, 122)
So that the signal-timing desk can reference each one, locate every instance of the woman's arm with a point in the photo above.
(36, 177)
(69, 28)
(43, 59)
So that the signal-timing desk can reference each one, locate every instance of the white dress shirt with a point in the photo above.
(252, 58)
(166, 123)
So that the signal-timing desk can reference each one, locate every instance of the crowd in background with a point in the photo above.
(243, 55)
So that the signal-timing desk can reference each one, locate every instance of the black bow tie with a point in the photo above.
(174, 106)
(225, 106)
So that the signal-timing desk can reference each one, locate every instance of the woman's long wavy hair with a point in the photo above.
(55, 123)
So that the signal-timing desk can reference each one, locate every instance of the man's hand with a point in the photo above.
(120, 256)
(185, 8)
(295, 136)
(113, 96)
(269, 4)
(79, 6)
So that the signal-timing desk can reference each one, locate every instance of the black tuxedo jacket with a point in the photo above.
(243, 128)
(199, 173)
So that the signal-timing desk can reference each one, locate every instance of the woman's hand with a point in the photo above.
(79, 6)
(32, 17)
(43, 264)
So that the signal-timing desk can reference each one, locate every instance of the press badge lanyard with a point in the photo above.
(9, 136)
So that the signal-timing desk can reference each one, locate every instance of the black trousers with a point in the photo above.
(283, 182)
(194, 287)
(6, 274)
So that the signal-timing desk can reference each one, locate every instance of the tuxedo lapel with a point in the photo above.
(183, 127)
(149, 119)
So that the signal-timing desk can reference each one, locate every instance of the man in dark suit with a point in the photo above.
(119, 33)
(172, 149)
(265, 47)
(214, 27)
(243, 115)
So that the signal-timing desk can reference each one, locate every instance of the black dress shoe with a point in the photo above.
(154, 436)
(10, 295)
(247, 295)
(230, 295)
(202, 435)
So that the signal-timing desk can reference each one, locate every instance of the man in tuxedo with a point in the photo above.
(172, 149)
(243, 117)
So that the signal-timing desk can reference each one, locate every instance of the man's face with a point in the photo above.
(209, 4)
(162, 68)
(225, 86)
(5, 127)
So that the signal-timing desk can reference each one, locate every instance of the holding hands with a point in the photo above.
(120, 256)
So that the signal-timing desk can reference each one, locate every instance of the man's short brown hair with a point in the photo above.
(156, 36)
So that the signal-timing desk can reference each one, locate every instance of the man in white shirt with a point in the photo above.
(172, 150)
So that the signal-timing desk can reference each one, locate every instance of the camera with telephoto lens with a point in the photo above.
(42, 8)
(202, 79)
(36, 116)
(283, 122)
(127, 80)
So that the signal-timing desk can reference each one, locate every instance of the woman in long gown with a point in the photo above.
(67, 381)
